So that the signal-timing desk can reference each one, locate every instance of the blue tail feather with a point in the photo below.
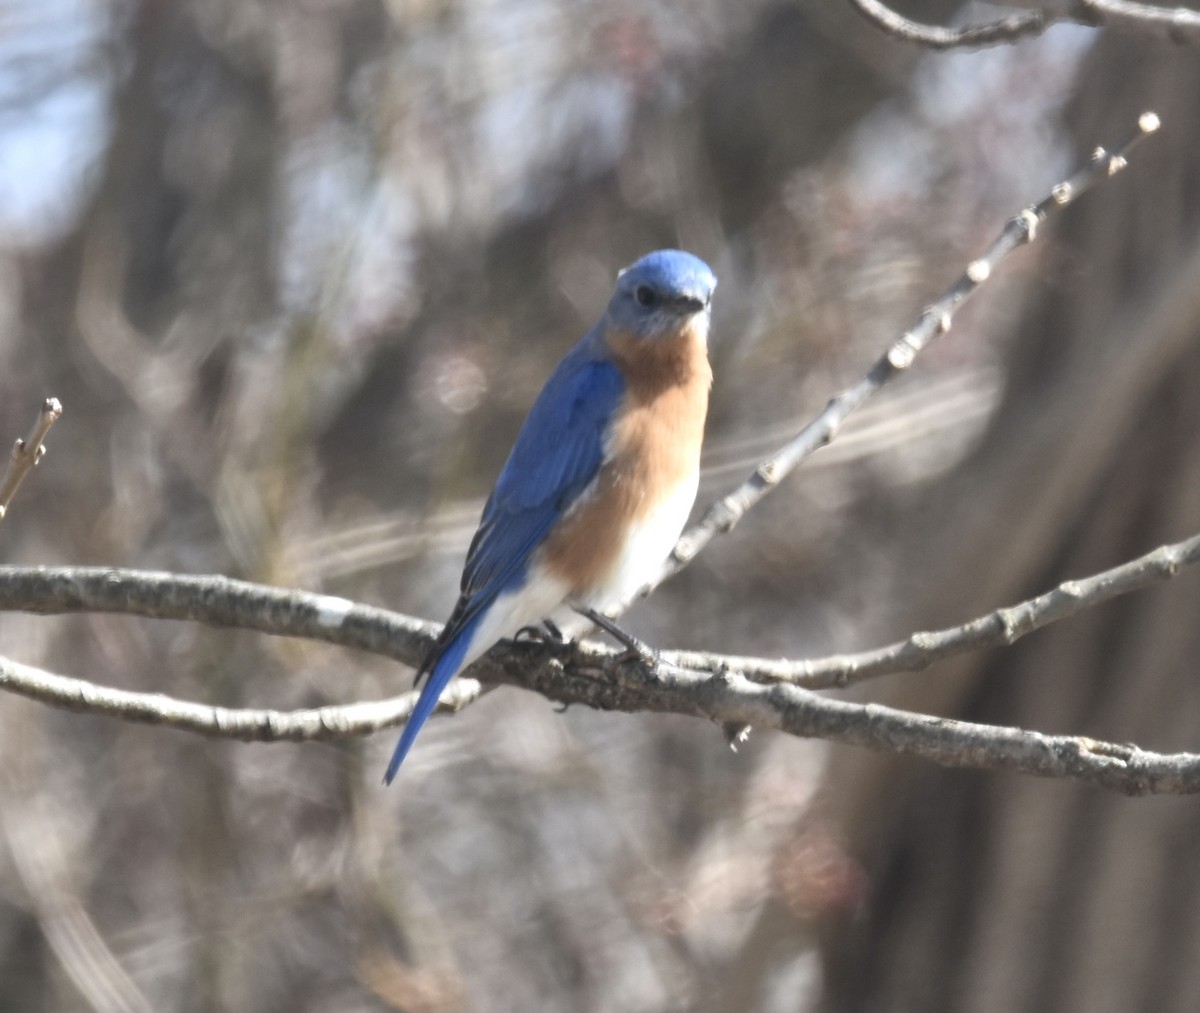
(444, 669)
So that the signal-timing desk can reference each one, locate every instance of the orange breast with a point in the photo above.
(653, 452)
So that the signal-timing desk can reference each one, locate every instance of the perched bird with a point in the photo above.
(601, 479)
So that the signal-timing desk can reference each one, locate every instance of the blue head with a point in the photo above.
(661, 292)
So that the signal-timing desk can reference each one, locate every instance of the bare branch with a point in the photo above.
(216, 601)
(732, 699)
(998, 628)
(248, 725)
(723, 515)
(224, 602)
(26, 453)
(1178, 24)
(591, 674)
(726, 698)
(992, 33)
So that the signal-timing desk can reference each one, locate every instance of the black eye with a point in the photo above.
(645, 296)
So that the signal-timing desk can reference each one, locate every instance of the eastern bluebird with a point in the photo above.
(601, 479)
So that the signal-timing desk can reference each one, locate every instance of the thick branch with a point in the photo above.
(725, 698)
(1124, 768)
(583, 673)
(216, 601)
(26, 453)
(222, 601)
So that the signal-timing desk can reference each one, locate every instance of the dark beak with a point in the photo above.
(687, 304)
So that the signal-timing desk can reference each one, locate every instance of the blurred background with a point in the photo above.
(297, 268)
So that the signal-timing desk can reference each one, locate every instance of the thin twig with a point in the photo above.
(723, 515)
(1177, 24)
(26, 453)
(998, 628)
(991, 33)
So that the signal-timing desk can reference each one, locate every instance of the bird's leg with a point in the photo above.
(634, 648)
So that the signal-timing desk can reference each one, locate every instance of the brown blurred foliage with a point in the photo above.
(296, 277)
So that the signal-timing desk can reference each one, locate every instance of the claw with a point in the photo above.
(635, 649)
(533, 633)
(545, 632)
(638, 650)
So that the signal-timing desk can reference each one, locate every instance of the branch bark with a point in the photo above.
(591, 674)
(726, 698)
(245, 724)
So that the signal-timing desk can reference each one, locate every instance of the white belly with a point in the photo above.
(648, 544)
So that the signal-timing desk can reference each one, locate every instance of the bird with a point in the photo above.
(601, 478)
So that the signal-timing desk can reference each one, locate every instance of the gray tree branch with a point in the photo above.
(725, 691)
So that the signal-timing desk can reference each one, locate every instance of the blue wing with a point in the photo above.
(558, 452)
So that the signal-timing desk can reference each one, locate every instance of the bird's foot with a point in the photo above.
(546, 632)
(635, 649)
